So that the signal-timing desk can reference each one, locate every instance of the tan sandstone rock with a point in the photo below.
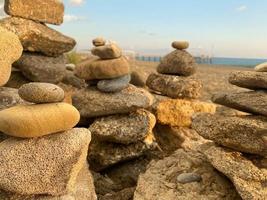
(180, 45)
(248, 178)
(261, 67)
(37, 37)
(160, 181)
(49, 11)
(110, 51)
(41, 93)
(38, 120)
(103, 69)
(10, 51)
(97, 42)
(46, 165)
(180, 112)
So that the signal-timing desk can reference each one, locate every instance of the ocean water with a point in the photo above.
(246, 62)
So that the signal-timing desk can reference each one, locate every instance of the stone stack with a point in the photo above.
(122, 128)
(241, 141)
(43, 156)
(175, 79)
(42, 60)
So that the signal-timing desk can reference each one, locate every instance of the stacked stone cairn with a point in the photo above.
(240, 142)
(122, 128)
(41, 155)
(175, 79)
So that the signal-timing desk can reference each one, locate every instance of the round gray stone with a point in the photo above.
(114, 85)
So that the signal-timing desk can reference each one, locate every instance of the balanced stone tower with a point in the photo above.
(240, 147)
(175, 79)
(122, 128)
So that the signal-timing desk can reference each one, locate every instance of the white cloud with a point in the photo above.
(77, 2)
(242, 8)
(72, 18)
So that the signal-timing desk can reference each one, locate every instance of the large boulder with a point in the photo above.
(242, 133)
(9, 97)
(249, 79)
(10, 51)
(28, 121)
(39, 68)
(49, 11)
(179, 112)
(251, 102)
(175, 86)
(37, 37)
(84, 189)
(160, 181)
(124, 129)
(102, 69)
(48, 165)
(249, 178)
(93, 103)
(178, 62)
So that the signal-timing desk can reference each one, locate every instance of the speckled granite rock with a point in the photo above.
(124, 129)
(248, 178)
(9, 97)
(41, 93)
(49, 11)
(37, 37)
(249, 79)
(10, 51)
(251, 102)
(39, 68)
(84, 190)
(47, 165)
(160, 180)
(244, 133)
(175, 86)
(114, 85)
(93, 103)
(178, 62)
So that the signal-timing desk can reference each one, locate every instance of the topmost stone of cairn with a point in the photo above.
(97, 42)
(48, 11)
(180, 45)
(261, 68)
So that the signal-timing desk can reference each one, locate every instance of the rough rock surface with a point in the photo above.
(160, 180)
(179, 112)
(244, 133)
(138, 78)
(84, 190)
(47, 165)
(49, 11)
(102, 69)
(248, 178)
(178, 62)
(114, 85)
(10, 51)
(102, 155)
(125, 194)
(71, 79)
(110, 51)
(261, 68)
(180, 45)
(97, 42)
(249, 79)
(41, 93)
(175, 86)
(124, 129)
(38, 120)
(9, 97)
(17, 79)
(93, 103)
(39, 68)
(37, 37)
(251, 102)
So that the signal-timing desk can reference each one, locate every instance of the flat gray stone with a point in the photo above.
(249, 79)
(244, 133)
(114, 85)
(254, 102)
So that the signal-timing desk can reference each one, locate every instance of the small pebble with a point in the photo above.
(180, 45)
(188, 178)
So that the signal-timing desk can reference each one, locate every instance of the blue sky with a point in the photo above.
(231, 28)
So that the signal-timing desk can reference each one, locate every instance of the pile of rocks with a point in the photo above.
(175, 80)
(240, 150)
(42, 60)
(122, 128)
